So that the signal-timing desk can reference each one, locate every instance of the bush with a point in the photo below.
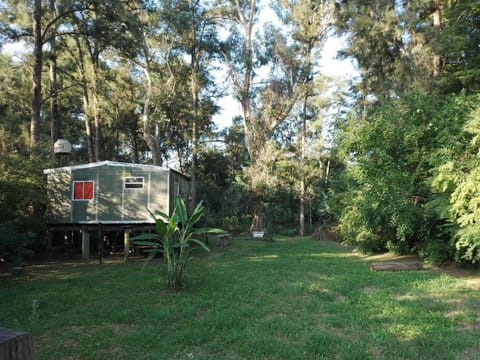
(174, 237)
(22, 203)
(15, 243)
(437, 252)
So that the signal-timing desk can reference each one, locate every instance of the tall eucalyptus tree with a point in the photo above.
(194, 30)
(30, 22)
(396, 43)
(100, 27)
(308, 22)
(240, 58)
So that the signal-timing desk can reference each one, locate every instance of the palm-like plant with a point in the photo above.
(174, 236)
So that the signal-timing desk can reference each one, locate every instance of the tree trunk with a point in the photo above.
(243, 88)
(97, 122)
(135, 142)
(152, 140)
(193, 175)
(92, 79)
(37, 78)
(88, 131)
(436, 30)
(194, 58)
(54, 111)
(303, 137)
(86, 100)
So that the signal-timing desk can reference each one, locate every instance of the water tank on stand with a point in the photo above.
(62, 147)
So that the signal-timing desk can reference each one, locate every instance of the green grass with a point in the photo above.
(291, 299)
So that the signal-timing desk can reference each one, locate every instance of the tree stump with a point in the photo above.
(257, 226)
(16, 345)
(224, 239)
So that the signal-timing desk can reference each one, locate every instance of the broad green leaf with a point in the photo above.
(180, 210)
(199, 242)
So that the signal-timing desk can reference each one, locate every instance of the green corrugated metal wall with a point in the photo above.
(112, 202)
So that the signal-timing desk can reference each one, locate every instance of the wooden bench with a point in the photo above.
(224, 239)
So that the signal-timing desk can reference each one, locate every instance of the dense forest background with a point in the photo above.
(392, 163)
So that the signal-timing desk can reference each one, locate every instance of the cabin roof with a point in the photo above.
(110, 163)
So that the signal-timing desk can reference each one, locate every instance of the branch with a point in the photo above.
(235, 79)
(58, 17)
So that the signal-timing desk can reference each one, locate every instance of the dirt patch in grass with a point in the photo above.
(474, 326)
(369, 289)
(470, 353)
(471, 277)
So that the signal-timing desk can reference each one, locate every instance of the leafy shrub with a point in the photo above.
(22, 202)
(385, 196)
(174, 236)
(458, 179)
(15, 243)
(437, 252)
(368, 242)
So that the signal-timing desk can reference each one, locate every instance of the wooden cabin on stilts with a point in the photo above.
(91, 200)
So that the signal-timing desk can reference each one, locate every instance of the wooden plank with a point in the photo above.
(396, 266)
(16, 345)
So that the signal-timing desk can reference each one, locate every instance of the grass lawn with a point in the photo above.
(291, 299)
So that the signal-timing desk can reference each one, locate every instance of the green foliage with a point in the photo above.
(438, 250)
(384, 197)
(22, 202)
(459, 40)
(174, 237)
(15, 243)
(458, 179)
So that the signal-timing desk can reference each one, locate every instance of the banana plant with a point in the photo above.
(173, 237)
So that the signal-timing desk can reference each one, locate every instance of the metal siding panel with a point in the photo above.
(58, 189)
(136, 200)
(112, 203)
(109, 194)
(84, 211)
(159, 191)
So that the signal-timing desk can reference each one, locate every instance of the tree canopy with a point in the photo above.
(391, 163)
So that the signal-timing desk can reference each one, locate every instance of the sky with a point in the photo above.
(330, 66)
(229, 107)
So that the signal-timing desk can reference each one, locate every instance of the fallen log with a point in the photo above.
(16, 345)
(396, 266)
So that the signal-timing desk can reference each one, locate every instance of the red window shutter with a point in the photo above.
(78, 190)
(88, 190)
(83, 190)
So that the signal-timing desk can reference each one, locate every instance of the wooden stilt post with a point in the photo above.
(49, 244)
(85, 245)
(65, 244)
(126, 244)
(100, 244)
